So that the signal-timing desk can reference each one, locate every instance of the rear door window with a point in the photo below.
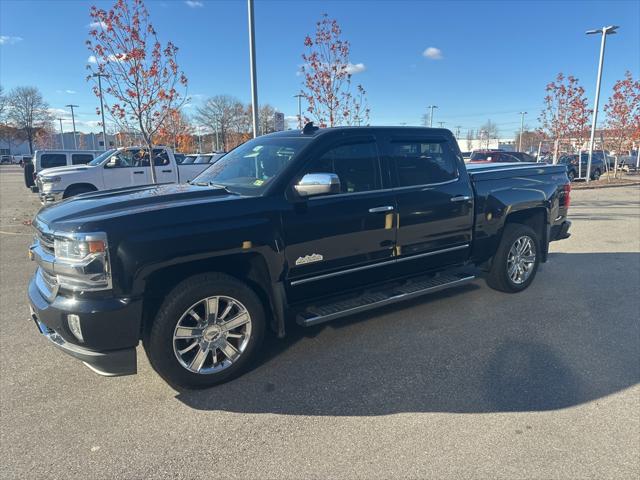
(50, 160)
(81, 158)
(421, 162)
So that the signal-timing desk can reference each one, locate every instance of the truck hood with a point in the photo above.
(49, 172)
(73, 214)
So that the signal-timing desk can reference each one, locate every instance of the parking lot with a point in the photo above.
(470, 383)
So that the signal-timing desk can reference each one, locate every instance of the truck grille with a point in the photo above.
(45, 240)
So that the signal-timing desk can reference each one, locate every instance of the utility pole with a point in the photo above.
(441, 124)
(458, 127)
(61, 134)
(252, 60)
(431, 107)
(610, 30)
(522, 114)
(104, 128)
(73, 120)
(299, 97)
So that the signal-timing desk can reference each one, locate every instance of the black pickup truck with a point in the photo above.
(299, 226)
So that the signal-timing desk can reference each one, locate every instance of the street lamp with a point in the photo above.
(431, 107)
(252, 60)
(299, 97)
(522, 114)
(604, 31)
(73, 120)
(104, 130)
(61, 134)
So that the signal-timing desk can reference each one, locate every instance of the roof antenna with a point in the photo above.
(309, 128)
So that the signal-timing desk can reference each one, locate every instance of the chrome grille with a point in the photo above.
(45, 240)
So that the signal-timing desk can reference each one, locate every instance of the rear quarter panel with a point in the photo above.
(501, 192)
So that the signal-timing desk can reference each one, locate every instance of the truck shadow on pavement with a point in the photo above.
(569, 339)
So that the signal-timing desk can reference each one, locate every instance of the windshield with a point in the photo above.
(101, 158)
(250, 167)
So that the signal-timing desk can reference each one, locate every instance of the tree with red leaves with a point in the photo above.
(565, 115)
(623, 113)
(142, 78)
(327, 78)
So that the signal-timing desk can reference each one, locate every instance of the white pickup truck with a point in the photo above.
(118, 168)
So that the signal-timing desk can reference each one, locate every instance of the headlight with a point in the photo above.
(82, 261)
(50, 179)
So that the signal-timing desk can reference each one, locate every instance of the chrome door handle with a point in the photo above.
(461, 198)
(386, 208)
(167, 171)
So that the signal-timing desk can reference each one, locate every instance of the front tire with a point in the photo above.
(516, 261)
(596, 175)
(207, 331)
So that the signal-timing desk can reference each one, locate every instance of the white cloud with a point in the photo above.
(433, 53)
(70, 92)
(194, 3)
(97, 24)
(352, 69)
(8, 40)
(112, 58)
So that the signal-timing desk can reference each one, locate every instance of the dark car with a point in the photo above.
(302, 226)
(580, 171)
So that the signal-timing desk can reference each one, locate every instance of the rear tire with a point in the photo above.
(28, 175)
(596, 174)
(518, 252)
(173, 353)
(572, 175)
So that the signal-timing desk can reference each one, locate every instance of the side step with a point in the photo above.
(384, 295)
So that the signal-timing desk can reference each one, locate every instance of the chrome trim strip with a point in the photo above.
(530, 166)
(403, 296)
(379, 264)
(435, 252)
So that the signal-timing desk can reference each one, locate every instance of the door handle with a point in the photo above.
(167, 171)
(138, 172)
(461, 198)
(386, 208)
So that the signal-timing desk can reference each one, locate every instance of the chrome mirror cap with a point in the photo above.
(318, 184)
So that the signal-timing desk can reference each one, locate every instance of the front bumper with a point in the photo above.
(560, 231)
(50, 197)
(110, 328)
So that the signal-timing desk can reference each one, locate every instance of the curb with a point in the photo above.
(632, 184)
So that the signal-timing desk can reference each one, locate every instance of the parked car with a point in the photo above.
(6, 159)
(208, 157)
(573, 170)
(43, 159)
(292, 226)
(495, 156)
(118, 168)
(466, 156)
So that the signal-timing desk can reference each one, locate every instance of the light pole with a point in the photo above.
(104, 129)
(610, 30)
(431, 107)
(252, 60)
(73, 120)
(299, 97)
(61, 134)
(522, 114)
(217, 137)
(199, 140)
(458, 127)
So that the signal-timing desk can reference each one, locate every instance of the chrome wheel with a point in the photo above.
(521, 259)
(212, 334)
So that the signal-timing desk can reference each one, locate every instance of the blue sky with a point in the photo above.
(496, 57)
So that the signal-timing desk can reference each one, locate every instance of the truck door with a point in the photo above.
(126, 168)
(341, 236)
(165, 169)
(434, 200)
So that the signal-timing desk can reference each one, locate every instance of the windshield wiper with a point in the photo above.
(223, 187)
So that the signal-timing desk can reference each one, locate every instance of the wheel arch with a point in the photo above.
(537, 219)
(250, 268)
(75, 186)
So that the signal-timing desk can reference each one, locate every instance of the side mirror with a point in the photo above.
(313, 184)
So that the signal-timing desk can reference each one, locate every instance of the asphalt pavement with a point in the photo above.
(470, 383)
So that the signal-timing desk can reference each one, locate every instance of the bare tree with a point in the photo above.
(3, 104)
(490, 129)
(221, 114)
(28, 112)
(470, 135)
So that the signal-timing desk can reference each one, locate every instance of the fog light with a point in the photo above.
(74, 325)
